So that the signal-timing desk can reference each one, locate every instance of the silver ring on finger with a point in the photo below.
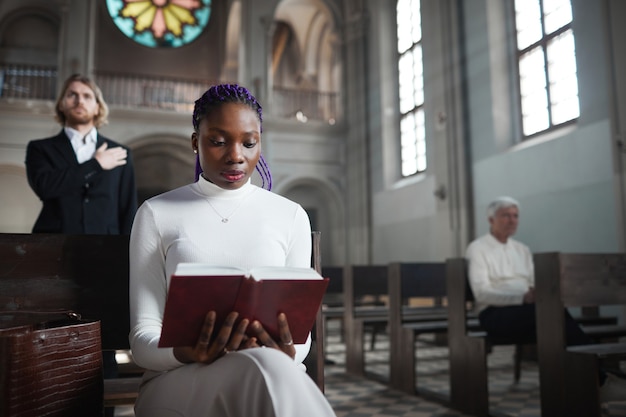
(289, 343)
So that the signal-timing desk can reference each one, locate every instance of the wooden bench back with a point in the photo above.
(567, 280)
(413, 280)
(406, 281)
(574, 280)
(368, 280)
(335, 274)
(87, 274)
(467, 355)
(458, 294)
(360, 281)
(315, 359)
(583, 279)
(334, 291)
(417, 279)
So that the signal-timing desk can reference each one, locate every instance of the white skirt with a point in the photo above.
(254, 382)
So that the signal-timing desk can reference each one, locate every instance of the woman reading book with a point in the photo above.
(223, 219)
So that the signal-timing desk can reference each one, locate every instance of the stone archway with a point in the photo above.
(162, 163)
(325, 209)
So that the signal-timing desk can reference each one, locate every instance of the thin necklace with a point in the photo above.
(225, 219)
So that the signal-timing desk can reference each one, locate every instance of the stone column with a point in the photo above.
(77, 38)
(358, 202)
(256, 17)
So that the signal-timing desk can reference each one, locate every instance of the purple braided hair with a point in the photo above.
(230, 93)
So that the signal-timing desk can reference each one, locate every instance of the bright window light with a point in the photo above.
(547, 64)
(411, 88)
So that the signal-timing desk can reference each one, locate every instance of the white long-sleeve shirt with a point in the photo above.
(499, 273)
(263, 229)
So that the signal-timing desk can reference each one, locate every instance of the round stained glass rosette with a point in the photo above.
(160, 23)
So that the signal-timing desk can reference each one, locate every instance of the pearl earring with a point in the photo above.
(195, 151)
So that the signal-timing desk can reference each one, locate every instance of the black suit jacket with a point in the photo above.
(79, 198)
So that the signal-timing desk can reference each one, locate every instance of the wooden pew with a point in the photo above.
(569, 375)
(406, 281)
(314, 361)
(375, 281)
(89, 274)
(332, 305)
(468, 347)
(361, 282)
(334, 292)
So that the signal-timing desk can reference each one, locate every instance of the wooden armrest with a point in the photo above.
(477, 334)
(438, 326)
(604, 331)
(601, 350)
(121, 391)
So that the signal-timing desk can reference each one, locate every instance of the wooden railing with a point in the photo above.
(169, 94)
(28, 82)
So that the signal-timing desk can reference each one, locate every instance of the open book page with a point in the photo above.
(258, 273)
(283, 272)
(194, 269)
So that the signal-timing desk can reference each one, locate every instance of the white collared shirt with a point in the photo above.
(499, 273)
(84, 146)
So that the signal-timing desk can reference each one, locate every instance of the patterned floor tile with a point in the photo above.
(506, 398)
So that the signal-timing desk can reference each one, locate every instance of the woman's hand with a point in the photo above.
(286, 341)
(226, 340)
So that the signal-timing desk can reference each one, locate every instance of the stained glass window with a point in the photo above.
(160, 23)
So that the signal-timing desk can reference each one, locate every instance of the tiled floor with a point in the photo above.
(369, 397)
(506, 398)
(352, 397)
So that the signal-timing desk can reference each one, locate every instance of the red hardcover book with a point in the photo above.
(258, 294)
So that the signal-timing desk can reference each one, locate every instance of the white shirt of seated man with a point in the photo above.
(501, 270)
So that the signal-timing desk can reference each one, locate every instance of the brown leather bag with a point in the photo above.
(51, 368)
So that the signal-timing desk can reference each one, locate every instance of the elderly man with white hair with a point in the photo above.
(501, 275)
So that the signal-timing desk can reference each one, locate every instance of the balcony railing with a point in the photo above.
(306, 105)
(133, 91)
(169, 94)
(28, 82)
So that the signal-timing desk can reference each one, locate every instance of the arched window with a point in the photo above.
(29, 43)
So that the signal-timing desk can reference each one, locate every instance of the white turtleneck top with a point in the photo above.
(263, 229)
